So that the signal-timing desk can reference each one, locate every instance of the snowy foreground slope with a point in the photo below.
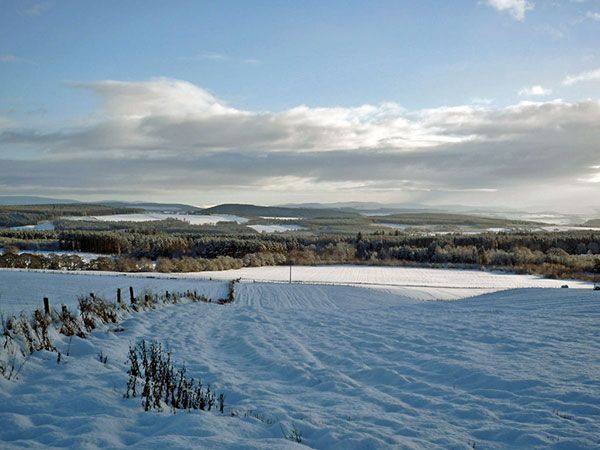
(348, 367)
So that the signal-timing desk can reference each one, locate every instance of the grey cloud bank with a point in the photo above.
(169, 139)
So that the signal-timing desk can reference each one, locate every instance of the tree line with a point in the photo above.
(562, 255)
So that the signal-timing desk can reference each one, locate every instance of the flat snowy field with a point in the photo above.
(194, 219)
(346, 366)
(275, 228)
(23, 290)
(425, 284)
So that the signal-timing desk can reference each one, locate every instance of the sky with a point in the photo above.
(484, 103)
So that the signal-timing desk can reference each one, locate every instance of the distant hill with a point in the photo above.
(367, 208)
(24, 215)
(277, 211)
(33, 200)
(513, 215)
(451, 219)
(147, 206)
(157, 207)
(595, 223)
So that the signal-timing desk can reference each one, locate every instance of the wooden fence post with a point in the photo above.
(131, 297)
(46, 305)
(119, 296)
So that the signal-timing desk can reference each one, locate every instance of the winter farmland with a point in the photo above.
(344, 357)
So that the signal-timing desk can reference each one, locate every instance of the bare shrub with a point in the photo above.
(151, 370)
(93, 308)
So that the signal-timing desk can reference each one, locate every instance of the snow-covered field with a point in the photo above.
(24, 290)
(42, 226)
(475, 230)
(569, 228)
(396, 226)
(280, 218)
(276, 228)
(85, 256)
(432, 284)
(347, 367)
(194, 219)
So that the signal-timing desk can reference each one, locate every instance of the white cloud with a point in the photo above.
(593, 16)
(536, 90)
(213, 56)
(158, 97)
(29, 8)
(591, 75)
(9, 58)
(191, 114)
(516, 8)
